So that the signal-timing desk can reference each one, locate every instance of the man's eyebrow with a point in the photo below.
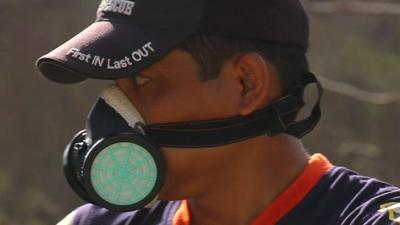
(150, 73)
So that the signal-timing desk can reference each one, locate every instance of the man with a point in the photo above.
(200, 127)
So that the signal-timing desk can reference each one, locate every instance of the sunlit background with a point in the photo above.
(355, 51)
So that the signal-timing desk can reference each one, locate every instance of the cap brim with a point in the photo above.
(108, 50)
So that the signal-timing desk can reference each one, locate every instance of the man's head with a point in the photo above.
(217, 73)
(203, 79)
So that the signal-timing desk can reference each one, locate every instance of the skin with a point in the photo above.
(215, 180)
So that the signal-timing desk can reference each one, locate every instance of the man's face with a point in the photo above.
(171, 91)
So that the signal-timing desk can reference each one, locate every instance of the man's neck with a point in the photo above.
(265, 168)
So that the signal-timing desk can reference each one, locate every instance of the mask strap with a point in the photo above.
(301, 128)
(211, 133)
(270, 120)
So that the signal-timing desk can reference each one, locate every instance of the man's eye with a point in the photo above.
(141, 80)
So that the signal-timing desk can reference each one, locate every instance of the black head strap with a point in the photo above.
(211, 133)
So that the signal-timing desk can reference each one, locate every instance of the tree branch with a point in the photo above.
(379, 98)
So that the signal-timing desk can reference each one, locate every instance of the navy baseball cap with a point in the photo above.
(130, 35)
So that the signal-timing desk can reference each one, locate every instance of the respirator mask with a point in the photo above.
(116, 162)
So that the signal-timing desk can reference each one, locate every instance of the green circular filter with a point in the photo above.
(123, 173)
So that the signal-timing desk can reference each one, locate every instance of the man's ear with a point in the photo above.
(254, 75)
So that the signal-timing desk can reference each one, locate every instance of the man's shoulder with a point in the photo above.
(161, 213)
(343, 196)
(365, 200)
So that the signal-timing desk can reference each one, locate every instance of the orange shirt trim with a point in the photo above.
(182, 215)
(317, 166)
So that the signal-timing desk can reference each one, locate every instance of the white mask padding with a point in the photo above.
(115, 98)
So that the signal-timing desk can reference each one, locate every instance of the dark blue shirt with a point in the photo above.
(322, 195)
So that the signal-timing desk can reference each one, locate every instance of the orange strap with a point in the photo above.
(317, 166)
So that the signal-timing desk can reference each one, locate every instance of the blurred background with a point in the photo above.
(355, 51)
